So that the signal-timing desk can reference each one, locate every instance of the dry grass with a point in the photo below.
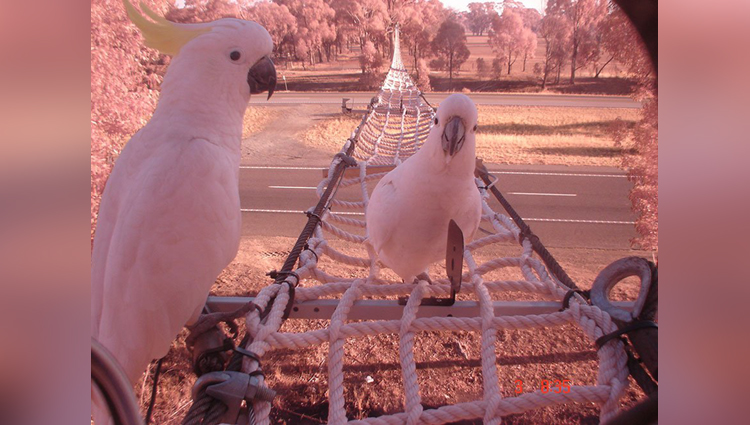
(517, 135)
(257, 118)
(549, 135)
(330, 135)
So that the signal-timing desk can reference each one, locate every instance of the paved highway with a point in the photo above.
(565, 206)
(359, 100)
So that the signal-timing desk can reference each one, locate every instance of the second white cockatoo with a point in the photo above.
(170, 218)
(410, 208)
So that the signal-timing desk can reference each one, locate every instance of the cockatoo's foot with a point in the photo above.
(207, 322)
(423, 276)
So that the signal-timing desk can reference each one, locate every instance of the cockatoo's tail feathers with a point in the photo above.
(161, 34)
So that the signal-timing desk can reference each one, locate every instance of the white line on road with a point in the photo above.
(529, 173)
(553, 220)
(264, 167)
(510, 193)
(562, 220)
(532, 173)
(257, 210)
(541, 194)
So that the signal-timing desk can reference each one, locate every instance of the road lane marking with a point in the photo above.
(510, 193)
(553, 220)
(264, 167)
(541, 194)
(565, 220)
(533, 173)
(529, 173)
(257, 210)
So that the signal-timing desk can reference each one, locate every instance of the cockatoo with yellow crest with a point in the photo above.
(170, 219)
(410, 208)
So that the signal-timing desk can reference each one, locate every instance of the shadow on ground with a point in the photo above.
(594, 128)
(592, 151)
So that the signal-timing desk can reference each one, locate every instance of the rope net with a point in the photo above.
(395, 128)
(398, 119)
(332, 242)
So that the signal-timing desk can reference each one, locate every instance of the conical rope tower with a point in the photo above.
(399, 118)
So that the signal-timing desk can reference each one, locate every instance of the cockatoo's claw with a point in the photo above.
(204, 323)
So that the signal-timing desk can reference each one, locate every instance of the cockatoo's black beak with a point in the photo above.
(262, 77)
(454, 135)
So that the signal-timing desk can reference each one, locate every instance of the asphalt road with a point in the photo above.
(361, 99)
(565, 206)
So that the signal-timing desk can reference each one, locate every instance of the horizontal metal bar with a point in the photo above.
(392, 310)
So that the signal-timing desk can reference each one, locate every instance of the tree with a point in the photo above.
(125, 79)
(531, 18)
(479, 17)
(555, 32)
(204, 11)
(279, 22)
(419, 22)
(507, 36)
(450, 45)
(616, 38)
(423, 76)
(583, 17)
(366, 19)
(643, 171)
(482, 68)
(371, 62)
(528, 46)
(642, 165)
(316, 30)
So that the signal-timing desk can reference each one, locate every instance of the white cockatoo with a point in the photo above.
(170, 218)
(410, 208)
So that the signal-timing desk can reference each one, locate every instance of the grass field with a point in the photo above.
(517, 135)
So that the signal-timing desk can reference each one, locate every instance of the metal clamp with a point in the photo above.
(611, 276)
(231, 387)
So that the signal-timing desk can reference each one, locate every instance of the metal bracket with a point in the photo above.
(231, 387)
(454, 263)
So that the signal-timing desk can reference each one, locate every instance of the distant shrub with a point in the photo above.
(497, 66)
(438, 64)
(482, 67)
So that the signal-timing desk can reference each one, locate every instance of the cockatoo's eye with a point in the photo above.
(436, 121)
(475, 128)
(235, 55)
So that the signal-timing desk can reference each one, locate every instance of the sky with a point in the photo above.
(462, 5)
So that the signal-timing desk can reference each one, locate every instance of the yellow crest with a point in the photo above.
(161, 34)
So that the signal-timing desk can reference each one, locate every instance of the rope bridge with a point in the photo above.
(372, 302)
(310, 282)
(399, 117)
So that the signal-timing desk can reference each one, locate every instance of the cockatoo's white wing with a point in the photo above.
(381, 211)
(171, 233)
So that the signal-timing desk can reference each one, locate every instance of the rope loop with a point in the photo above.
(566, 300)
